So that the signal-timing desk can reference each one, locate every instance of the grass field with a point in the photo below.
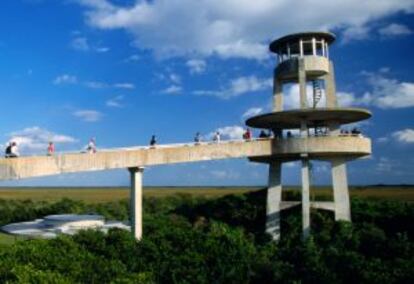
(99, 195)
(6, 239)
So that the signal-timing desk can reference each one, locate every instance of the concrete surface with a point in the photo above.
(290, 119)
(340, 189)
(136, 201)
(273, 201)
(36, 166)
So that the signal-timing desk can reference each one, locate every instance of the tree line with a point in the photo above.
(199, 240)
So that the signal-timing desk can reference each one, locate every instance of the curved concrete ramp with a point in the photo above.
(257, 150)
(35, 166)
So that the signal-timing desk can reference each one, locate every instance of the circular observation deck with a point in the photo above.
(314, 66)
(320, 117)
(308, 49)
(279, 45)
(318, 147)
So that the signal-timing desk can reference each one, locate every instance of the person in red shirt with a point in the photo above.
(248, 134)
(51, 149)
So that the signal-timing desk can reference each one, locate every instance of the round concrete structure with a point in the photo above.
(318, 147)
(53, 225)
(74, 221)
(313, 65)
(291, 119)
(281, 42)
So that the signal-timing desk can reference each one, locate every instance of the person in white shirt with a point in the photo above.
(14, 150)
(91, 146)
(216, 137)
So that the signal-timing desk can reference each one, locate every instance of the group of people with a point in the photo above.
(354, 132)
(216, 138)
(13, 152)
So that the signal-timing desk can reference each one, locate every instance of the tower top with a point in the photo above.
(280, 43)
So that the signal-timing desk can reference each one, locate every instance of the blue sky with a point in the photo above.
(122, 70)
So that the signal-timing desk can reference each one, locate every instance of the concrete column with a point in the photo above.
(304, 131)
(136, 201)
(323, 48)
(274, 198)
(302, 83)
(314, 46)
(305, 198)
(288, 50)
(330, 88)
(301, 48)
(277, 95)
(340, 189)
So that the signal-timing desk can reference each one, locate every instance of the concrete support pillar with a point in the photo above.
(136, 201)
(274, 198)
(305, 198)
(323, 48)
(304, 131)
(330, 88)
(340, 189)
(313, 46)
(277, 95)
(302, 83)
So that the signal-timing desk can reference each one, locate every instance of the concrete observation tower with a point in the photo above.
(303, 59)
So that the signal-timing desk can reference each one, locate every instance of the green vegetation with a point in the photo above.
(6, 239)
(109, 194)
(194, 239)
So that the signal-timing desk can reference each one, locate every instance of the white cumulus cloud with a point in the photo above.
(233, 28)
(175, 78)
(405, 135)
(395, 30)
(103, 85)
(237, 87)
(115, 102)
(80, 43)
(388, 93)
(88, 115)
(95, 84)
(225, 174)
(252, 112)
(124, 86)
(102, 49)
(65, 79)
(196, 66)
(172, 90)
(34, 139)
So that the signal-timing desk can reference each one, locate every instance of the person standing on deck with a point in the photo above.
(91, 148)
(12, 151)
(51, 149)
(216, 137)
(153, 141)
(197, 138)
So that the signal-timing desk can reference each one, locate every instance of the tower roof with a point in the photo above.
(281, 42)
(291, 119)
